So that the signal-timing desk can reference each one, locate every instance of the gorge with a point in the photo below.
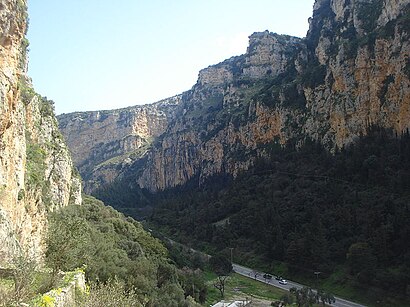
(294, 158)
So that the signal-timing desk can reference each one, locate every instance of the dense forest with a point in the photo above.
(305, 207)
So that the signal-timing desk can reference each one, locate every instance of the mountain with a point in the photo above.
(350, 73)
(37, 175)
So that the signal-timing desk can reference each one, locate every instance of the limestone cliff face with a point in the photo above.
(365, 49)
(104, 142)
(36, 171)
(350, 72)
(222, 125)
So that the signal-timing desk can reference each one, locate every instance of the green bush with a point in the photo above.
(26, 91)
(35, 165)
(46, 107)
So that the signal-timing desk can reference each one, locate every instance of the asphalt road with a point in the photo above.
(250, 273)
(275, 283)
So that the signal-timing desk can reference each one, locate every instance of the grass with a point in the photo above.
(241, 287)
(6, 291)
(340, 284)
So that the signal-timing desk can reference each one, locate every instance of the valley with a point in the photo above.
(292, 159)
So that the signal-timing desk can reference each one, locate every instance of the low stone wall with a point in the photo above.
(73, 288)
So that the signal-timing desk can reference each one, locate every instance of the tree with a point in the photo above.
(66, 242)
(286, 299)
(193, 284)
(23, 275)
(361, 261)
(279, 249)
(325, 297)
(305, 297)
(221, 266)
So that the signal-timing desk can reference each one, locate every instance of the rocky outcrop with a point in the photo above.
(103, 143)
(36, 171)
(351, 72)
(269, 54)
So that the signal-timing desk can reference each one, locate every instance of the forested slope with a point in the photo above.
(307, 208)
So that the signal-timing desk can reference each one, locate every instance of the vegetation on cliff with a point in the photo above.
(122, 262)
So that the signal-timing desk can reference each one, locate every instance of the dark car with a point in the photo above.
(267, 276)
(278, 277)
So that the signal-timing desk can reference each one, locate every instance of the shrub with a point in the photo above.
(35, 165)
(368, 13)
(314, 75)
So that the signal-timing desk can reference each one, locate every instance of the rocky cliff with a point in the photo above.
(36, 171)
(104, 143)
(364, 48)
(351, 72)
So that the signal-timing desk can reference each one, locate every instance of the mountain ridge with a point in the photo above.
(348, 74)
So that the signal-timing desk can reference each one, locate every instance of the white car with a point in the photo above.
(283, 282)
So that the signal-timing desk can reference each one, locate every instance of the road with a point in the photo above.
(250, 273)
(273, 282)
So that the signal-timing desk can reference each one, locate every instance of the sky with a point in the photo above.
(90, 55)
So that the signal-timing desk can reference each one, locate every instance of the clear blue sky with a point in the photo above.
(105, 54)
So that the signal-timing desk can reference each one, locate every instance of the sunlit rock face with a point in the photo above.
(36, 172)
(103, 143)
(351, 72)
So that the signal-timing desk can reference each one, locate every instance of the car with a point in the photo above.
(267, 276)
(283, 282)
(278, 278)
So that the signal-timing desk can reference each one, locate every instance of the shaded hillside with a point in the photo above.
(313, 211)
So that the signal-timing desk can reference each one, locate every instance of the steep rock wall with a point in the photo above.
(105, 142)
(365, 49)
(36, 171)
(349, 73)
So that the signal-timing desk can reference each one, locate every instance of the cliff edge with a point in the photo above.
(36, 172)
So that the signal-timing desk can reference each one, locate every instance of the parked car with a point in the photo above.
(267, 276)
(283, 282)
(278, 278)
